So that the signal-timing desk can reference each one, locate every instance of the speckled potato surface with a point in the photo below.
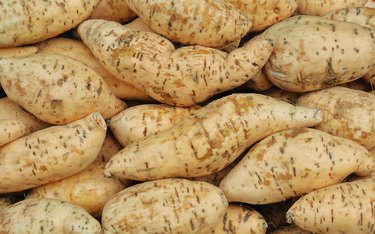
(322, 7)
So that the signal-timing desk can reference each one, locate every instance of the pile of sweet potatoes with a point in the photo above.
(196, 116)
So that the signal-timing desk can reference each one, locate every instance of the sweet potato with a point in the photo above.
(209, 23)
(359, 15)
(47, 216)
(10, 130)
(165, 206)
(342, 208)
(11, 110)
(89, 189)
(314, 52)
(348, 113)
(57, 89)
(77, 50)
(290, 230)
(265, 13)
(277, 168)
(50, 154)
(113, 10)
(210, 139)
(238, 219)
(259, 82)
(283, 95)
(181, 77)
(26, 22)
(140, 121)
(322, 7)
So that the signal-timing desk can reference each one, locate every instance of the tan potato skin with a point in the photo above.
(283, 95)
(113, 10)
(4, 202)
(78, 50)
(322, 7)
(140, 121)
(290, 230)
(47, 216)
(364, 16)
(165, 206)
(342, 208)
(179, 77)
(26, 22)
(10, 130)
(11, 110)
(238, 219)
(259, 82)
(211, 23)
(50, 154)
(89, 189)
(347, 113)
(58, 89)
(313, 52)
(277, 168)
(210, 139)
(264, 13)
(20, 51)
(110, 147)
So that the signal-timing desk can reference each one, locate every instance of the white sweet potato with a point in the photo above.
(314, 52)
(210, 139)
(89, 189)
(347, 112)
(113, 10)
(79, 51)
(364, 16)
(165, 206)
(10, 130)
(47, 216)
(140, 121)
(57, 89)
(181, 77)
(50, 154)
(239, 219)
(26, 22)
(265, 13)
(342, 208)
(11, 110)
(211, 23)
(322, 7)
(259, 82)
(292, 229)
(294, 162)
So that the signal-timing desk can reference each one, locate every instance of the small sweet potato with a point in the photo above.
(89, 189)
(342, 208)
(211, 23)
(50, 154)
(278, 168)
(348, 113)
(57, 89)
(165, 206)
(26, 22)
(47, 216)
(313, 52)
